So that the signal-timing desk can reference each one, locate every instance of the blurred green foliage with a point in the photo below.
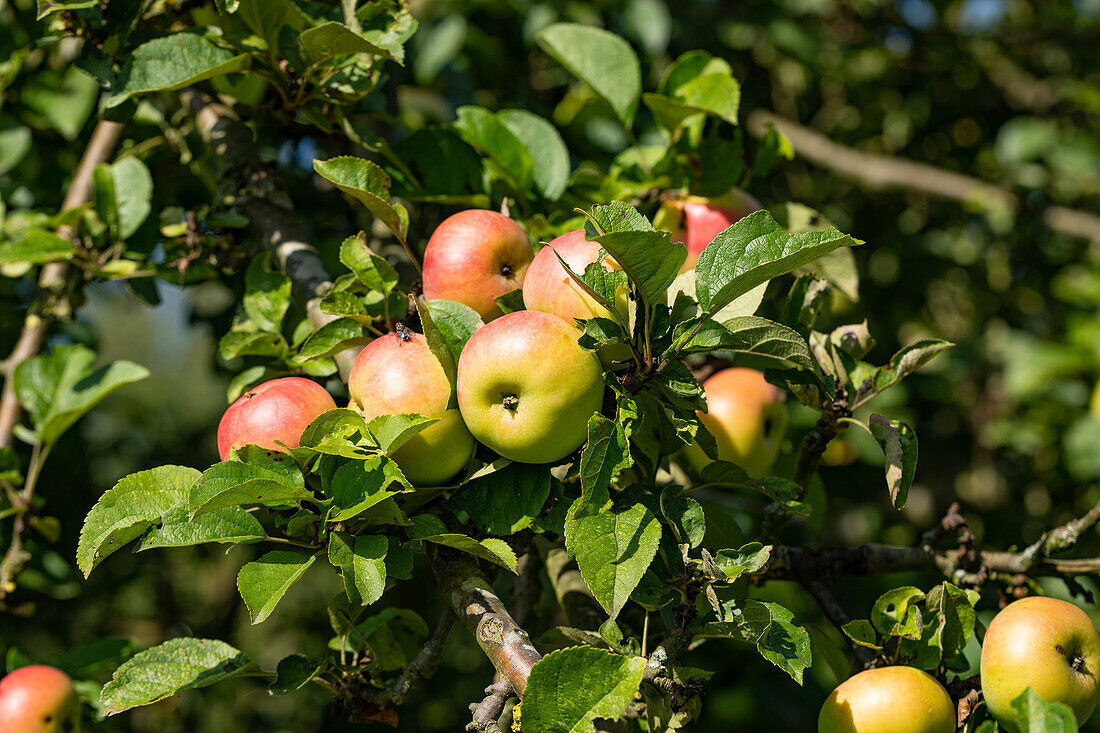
(1007, 91)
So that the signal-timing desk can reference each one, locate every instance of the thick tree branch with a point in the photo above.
(474, 601)
(273, 221)
(875, 171)
(50, 301)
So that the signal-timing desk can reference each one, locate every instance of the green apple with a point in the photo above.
(548, 288)
(398, 374)
(1046, 644)
(696, 221)
(38, 699)
(526, 388)
(747, 418)
(271, 413)
(474, 257)
(888, 700)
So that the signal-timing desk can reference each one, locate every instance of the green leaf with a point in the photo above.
(392, 637)
(332, 338)
(756, 336)
(506, 501)
(780, 490)
(173, 62)
(570, 688)
(905, 362)
(65, 101)
(440, 346)
(861, 632)
(15, 143)
(125, 511)
(360, 485)
(263, 583)
(545, 147)
(491, 549)
(749, 558)
(362, 563)
(1036, 715)
(489, 134)
(895, 612)
(267, 294)
(335, 39)
(34, 246)
(363, 180)
(717, 94)
(393, 431)
(456, 323)
(613, 551)
(617, 216)
(601, 60)
(230, 525)
(649, 258)
(605, 454)
(57, 390)
(294, 673)
(754, 250)
(371, 270)
(251, 343)
(166, 670)
(768, 626)
(233, 483)
(899, 444)
(133, 186)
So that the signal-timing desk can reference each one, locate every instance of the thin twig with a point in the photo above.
(423, 665)
(487, 712)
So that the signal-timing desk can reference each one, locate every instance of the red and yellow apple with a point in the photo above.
(526, 388)
(474, 257)
(38, 699)
(1048, 645)
(747, 418)
(271, 413)
(696, 221)
(888, 700)
(548, 288)
(398, 374)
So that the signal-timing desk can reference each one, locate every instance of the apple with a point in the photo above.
(398, 374)
(274, 412)
(747, 418)
(526, 388)
(38, 699)
(839, 452)
(474, 257)
(548, 288)
(1042, 643)
(1094, 404)
(696, 221)
(888, 700)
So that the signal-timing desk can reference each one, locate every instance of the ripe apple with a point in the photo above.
(746, 416)
(888, 700)
(1042, 643)
(474, 257)
(696, 221)
(39, 699)
(526, 388)
(398, 374)
(277, 410)
(547, 287)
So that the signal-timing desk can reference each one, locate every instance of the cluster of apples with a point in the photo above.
(1043, 643)
(525, 387)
